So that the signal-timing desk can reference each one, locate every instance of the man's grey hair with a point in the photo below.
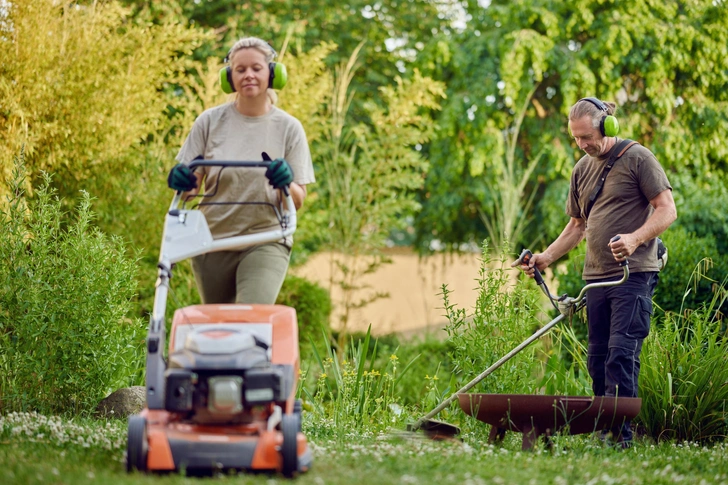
(584, 108)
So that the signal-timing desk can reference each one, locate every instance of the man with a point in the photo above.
(636, 204)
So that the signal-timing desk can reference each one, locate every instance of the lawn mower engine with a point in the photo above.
(221, 374)
(229, 395)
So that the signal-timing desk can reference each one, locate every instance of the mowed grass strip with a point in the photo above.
(32, 455)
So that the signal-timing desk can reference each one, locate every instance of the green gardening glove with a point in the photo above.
(181, 178)
(279, 173)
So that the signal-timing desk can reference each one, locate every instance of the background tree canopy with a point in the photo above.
(663, 63)
(466, 102)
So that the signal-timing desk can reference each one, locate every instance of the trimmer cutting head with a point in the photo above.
(434, 429)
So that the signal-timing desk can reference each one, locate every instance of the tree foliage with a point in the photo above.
(661, 62)
(80, 85)
(392, 30)
(370, 173)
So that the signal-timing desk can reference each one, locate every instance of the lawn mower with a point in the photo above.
(535, 415)
(224, 396)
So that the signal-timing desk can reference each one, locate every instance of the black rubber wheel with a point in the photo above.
(298, 410)
(289, 450)
(136, 444)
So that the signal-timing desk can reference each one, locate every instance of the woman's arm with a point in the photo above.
(298, 193)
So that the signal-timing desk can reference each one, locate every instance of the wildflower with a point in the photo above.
(393, 358)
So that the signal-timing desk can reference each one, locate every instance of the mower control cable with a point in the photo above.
(525, 258)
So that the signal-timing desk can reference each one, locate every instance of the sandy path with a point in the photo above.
(414, 284)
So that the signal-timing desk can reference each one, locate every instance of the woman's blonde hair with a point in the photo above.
(261, 46)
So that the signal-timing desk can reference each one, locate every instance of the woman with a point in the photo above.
(249, 128)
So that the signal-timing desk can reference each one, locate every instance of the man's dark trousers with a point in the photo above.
(619, 320)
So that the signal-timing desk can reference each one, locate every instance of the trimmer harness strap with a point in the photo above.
(617, 153)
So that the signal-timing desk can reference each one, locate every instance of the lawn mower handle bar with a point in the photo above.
(223, 163)
(240, 242)
(578, 302)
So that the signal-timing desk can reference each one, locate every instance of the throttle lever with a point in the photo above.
(525, 258)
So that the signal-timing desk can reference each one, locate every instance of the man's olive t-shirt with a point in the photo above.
(622, 207)
(222, 133)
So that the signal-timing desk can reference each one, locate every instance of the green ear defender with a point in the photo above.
(278, 77)
(608, 126)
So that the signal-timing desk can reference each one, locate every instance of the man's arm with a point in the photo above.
(665, 214)
(569, 238)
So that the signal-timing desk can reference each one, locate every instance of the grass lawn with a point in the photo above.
(57, 451)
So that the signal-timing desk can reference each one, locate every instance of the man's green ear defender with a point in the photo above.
(278, 77)
(608, 126)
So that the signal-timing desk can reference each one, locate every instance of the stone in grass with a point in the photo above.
(122, 403)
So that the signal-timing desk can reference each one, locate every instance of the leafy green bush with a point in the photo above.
(313, 308)
(701, 206)
(65, 291)
(678, 287)
(505, 314)
(684, 377)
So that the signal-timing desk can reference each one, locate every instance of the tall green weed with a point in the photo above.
(684, 375)
(506, 313)
(65, 291)
(356, 391)
(565, 371)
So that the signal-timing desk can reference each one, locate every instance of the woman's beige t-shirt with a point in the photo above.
(222, 133)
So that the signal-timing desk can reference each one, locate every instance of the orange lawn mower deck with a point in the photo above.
(225, 396)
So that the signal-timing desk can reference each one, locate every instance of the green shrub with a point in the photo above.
(684, 376)
(678, 288)
(65, 291)
(313, 308)
(701, 207)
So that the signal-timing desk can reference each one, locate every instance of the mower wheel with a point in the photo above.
(289, 450)
(298, 410)
(136, 445)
